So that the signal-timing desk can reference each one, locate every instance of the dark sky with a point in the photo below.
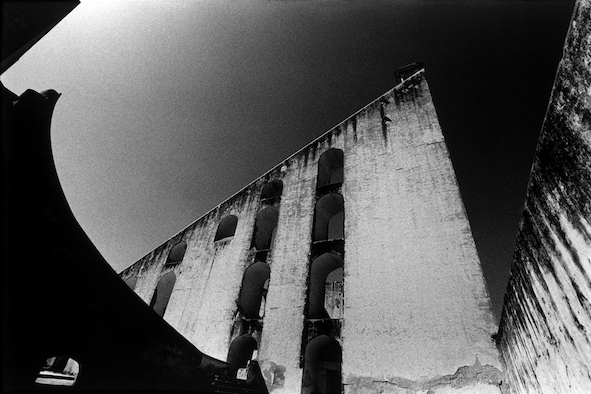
(170, 107)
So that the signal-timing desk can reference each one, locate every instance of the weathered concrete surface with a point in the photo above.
(474, 379)
(415, 302)
(203, 302)
(545, 336)
(416, 305)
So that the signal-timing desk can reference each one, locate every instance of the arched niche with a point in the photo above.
(59, 371)
(330, 168)
(272, 189)
(264, 228)
(321, 267)
(329, 217)
(253, 289)
(240, 352)
(131, 282)
(162, 293)
(177, 253)
(226, 228)
(322, 366)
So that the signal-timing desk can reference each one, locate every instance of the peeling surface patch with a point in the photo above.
(488, 378)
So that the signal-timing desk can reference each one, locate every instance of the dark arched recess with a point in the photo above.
(226, 228)
(253, 289)
(162, 293)
(264, 228)
(321, 267)
(330, 168)
(131, 282)
(322, 366)
(329, 217)
(272, 189)
(240, 352)
(177, 253)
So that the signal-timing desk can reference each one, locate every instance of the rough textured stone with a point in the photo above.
(415, 301)
(544, 335)
(477, 378)
(416, 304)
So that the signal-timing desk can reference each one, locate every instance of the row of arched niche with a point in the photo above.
(263, 236)
(322, 355)
(255, 280)
(325, 270)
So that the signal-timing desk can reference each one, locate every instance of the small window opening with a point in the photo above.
(330, 168)
(131, 282)
(326, 274)
(329, 217)
(333, 294)
(226, 228)
(264, 228)
(59, 371)
(272, 189)
(322, 366)
(162, 293)
(241, 352)
(177, 253)
(255, 284)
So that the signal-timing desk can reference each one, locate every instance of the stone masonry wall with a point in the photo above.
(416, 303)
(416, 310)
(545, 339)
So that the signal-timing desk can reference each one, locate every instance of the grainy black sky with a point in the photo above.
(170, 107)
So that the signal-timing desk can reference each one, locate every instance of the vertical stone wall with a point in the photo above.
(416, 304)
(545, 338)
(416, 310)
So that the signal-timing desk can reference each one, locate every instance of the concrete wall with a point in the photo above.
(416, 302)
(544, 335)
(416, 310)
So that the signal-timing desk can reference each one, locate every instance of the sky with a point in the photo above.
(170, 107)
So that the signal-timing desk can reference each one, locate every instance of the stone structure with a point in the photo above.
(545, 336)
(350, 266)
